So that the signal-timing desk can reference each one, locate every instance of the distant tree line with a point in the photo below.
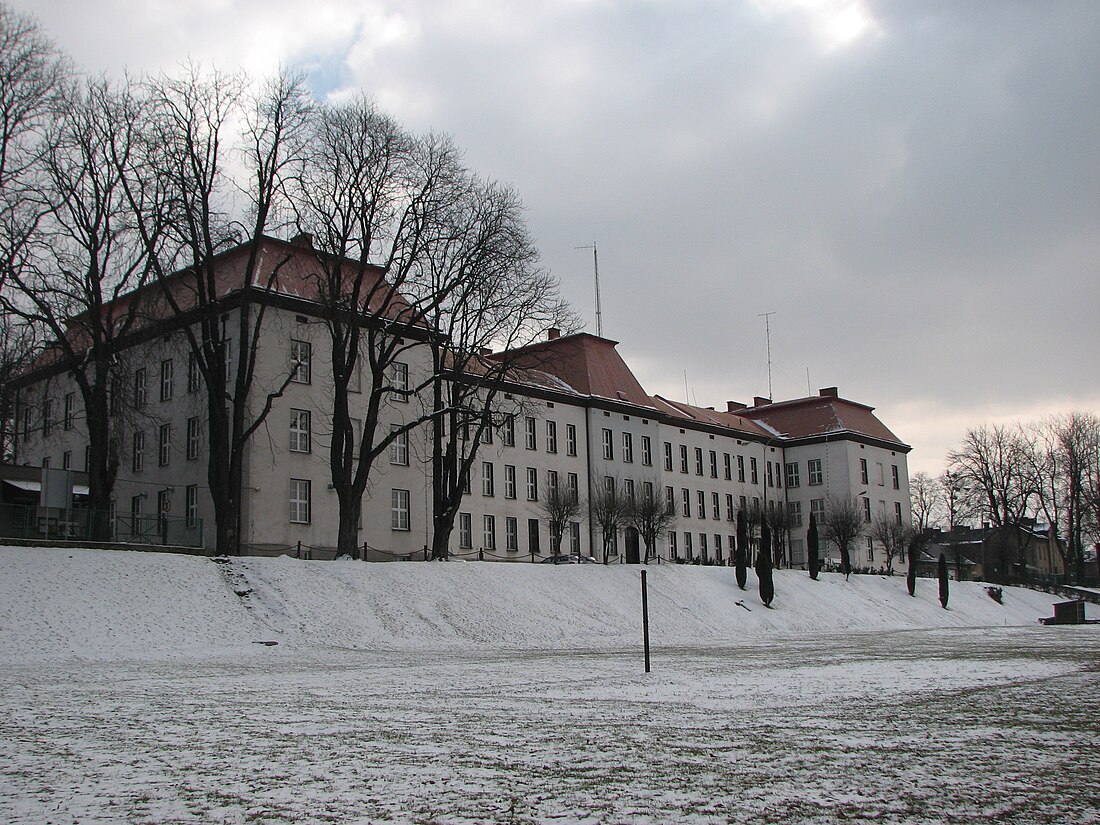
(1004, 476)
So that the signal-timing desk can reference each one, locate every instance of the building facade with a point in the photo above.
(572, 415)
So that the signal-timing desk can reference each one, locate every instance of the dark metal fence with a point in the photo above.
(19, 521)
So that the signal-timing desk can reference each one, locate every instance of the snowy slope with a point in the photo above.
(99, 605)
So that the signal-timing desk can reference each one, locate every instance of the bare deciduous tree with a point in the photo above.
(843, 524)
(559, 506)
(892, 538)
(607, 511)
(926, 498)
(217, 189)
(650, 513)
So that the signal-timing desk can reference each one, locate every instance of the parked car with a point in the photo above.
(569, 558)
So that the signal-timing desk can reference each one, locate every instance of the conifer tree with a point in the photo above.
(812, 548)
(943, 581)
(742, 548)
(764, 566)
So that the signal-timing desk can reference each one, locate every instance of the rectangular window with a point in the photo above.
(193, 436)
(609, 484)
(778, 475)
(741, 468)
(166, 380)
(683, 458)
(139, 452)
(551, 482)
(571, 439)
(300, 440)
(67, 460)
(730, 514)
(672, 544)
(628, 448)
(551, 436)
(465, 531)
(26, 422)
(698, 461)
(670, 499)
(573, 486)
(687, 544)
(47, 416)
(70, 404)
(191, 505)
(511, 534)
(509, 481)
(727, 467)
(136, 504)
(399, 380)
(894, 476)
(866, 509)
(529, 432)
(817, 509)
(399, 509)
(508, 432)
(194, 375)
(647, 490)
(794, 513)
(647, 451)
(628, 490)
(702, 504)
(813, 472)
(164, 444)
(533, 535)
(487, 483)
(703, 546)
(881, 474)
(752, 471)
(716, 506)
(668, 456)
(487, 432)
(792, 474)
(744, 503)
(399, 447)
(575, 537)
(466, 482)
(713, 464)
(870, 549)
(299, 501)
(489, 533)
(685, 502)
(798, 552)
(863, 471)
(608, 445)
(301, 361)
(532, 484)
(139, 387)
(771, 480)
(897, 512)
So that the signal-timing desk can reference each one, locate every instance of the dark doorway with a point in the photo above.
(632, 554)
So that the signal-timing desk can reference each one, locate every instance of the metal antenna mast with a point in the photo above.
(768, 333)
(596, 268)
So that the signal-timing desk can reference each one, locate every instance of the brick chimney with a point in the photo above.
(553, 334)
(828, 392)
(760, 401)
(302, 239)
(734, 406)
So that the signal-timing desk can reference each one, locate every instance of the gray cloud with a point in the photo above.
(920, 205)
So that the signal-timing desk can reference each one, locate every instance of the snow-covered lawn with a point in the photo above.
(387, 700)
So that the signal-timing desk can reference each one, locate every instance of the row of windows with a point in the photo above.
(488, 481)
(511, 534)
(864, 476)
(705, 462)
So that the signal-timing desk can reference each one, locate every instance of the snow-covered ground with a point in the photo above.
(134, 691)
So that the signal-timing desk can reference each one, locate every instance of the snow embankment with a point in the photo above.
(101, 605)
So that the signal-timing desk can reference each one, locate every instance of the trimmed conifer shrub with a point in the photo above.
(942, 567)
(764, 566)
(812, 557)
(742, 549)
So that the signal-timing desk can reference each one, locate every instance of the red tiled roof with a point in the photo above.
(818, 416)
(588, 364)
(708, 415)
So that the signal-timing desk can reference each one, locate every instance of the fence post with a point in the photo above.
(481, 554)
(645, 621)
(299, 549)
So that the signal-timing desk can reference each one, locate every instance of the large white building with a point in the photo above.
(578, 418)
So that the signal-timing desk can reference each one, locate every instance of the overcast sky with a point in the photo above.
(912, 188)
